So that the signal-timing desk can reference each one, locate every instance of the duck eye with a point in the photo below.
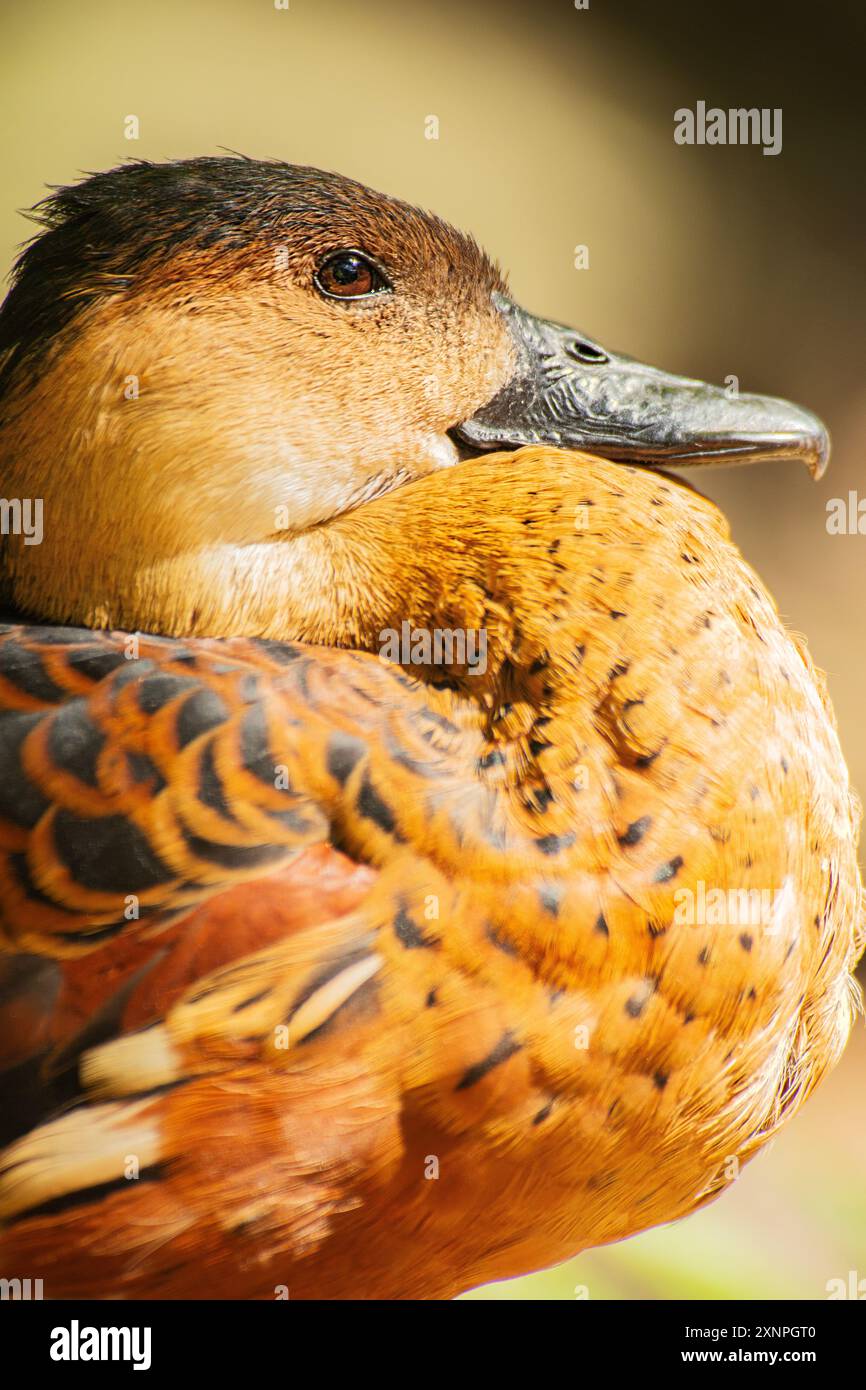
(349, 275)
(587, 352)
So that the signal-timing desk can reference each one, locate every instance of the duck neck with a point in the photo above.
(467, 576)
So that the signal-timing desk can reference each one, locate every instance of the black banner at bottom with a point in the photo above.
(81, 1339)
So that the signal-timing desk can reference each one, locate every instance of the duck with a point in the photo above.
(425, 854)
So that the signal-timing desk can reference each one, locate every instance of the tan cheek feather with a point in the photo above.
(143, 1061)
(325, 1001)
(128, 1066)
(89, 1146)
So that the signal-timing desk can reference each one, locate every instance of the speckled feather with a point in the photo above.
(502, 984)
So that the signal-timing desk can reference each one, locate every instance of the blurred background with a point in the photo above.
(555, 131)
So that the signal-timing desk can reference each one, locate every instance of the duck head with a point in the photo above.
(219, 353)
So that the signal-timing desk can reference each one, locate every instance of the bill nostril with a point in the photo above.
(586, 352)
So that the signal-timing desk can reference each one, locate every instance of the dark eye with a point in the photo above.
(587, 352)
(349, 275)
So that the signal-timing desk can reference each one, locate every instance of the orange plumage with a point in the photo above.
(357, 980)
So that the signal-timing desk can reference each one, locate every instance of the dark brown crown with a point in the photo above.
(109, 232)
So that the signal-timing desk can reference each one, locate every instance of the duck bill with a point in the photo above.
(569, 391)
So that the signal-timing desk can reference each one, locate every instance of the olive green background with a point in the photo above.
(556, 130)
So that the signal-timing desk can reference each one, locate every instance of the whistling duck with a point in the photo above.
(344, 970)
